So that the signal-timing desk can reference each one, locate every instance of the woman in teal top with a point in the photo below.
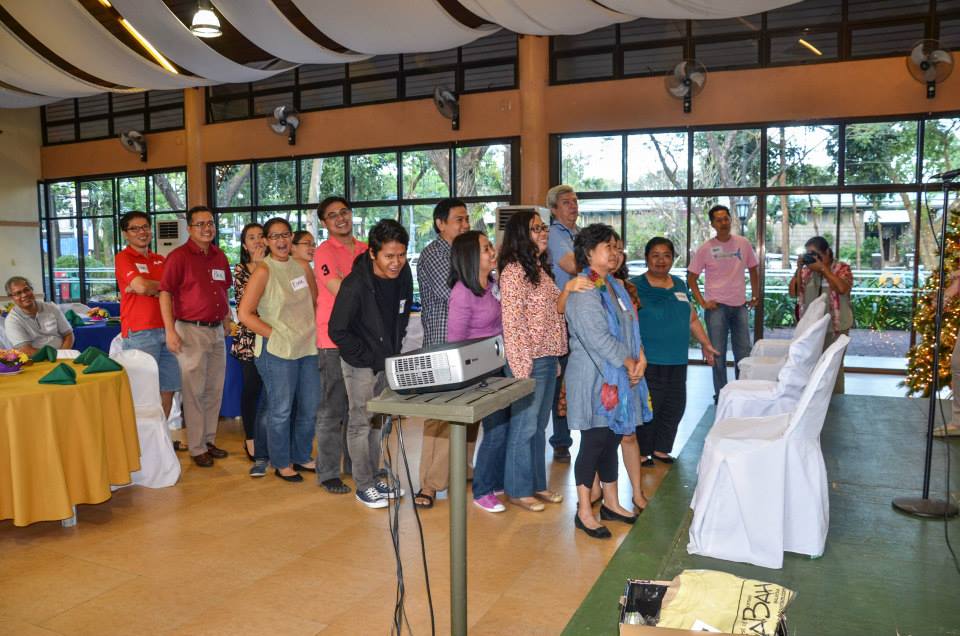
(667, 318)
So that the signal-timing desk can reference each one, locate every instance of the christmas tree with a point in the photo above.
(920, 356)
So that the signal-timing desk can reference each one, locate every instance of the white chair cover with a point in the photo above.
(777, 347)
(159, 466)
(116, 345)
(4, 342)
(762, 486)
(67, 354)
(175, 420)
(753, 398)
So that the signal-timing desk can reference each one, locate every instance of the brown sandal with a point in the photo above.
(548, 496)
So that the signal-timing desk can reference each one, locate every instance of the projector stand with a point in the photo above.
(457, 408)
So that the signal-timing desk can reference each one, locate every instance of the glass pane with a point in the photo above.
(317, 98)
(166, 119)
(426, 174)
(790, 49)
(483, 170)
(657, 161)
(941, 146)
(96, 129)
(96, 198)
(605, 36)
(806, 216)
(61, 133)
(418, 219)
(98, 245)
(276, 183)
(656, 216)
(592, 164)
(321, 177)
(886, 40)
(647, 30)
(373, 177)
(601, 211)
(63, 201)
(422, 84)
(733, 54)
(66, 263)
(802, 155)
(877, 241)
(929, 255)
(701, 230)
(169, 191)
(651, 61)
(232, 183)
(133, 193)
(485, 78)
(805, 14)
(584, 67)
(373, 91)
(870, 9)
(375, 66)
(262, 216)
(365, 218)
(229, 226)
(483, 217)
(266, 104)
(744, 25)
(883, 152)
(44, 259)
(726, 158)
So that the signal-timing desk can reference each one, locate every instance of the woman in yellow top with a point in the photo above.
(278, 306)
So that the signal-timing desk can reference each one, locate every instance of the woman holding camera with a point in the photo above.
(818, 273)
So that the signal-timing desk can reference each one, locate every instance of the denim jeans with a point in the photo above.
(363, 439)
(526, 469)
(289, 385)
(154, 342)
(561, 432)
(331, 418)
(721, 321)
(492, 454)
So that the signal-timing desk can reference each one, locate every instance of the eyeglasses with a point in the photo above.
(21, 292)
(203, 224)
(276, 236)
(537, 229)
(335, 214)
(306, 243)
(137, 229)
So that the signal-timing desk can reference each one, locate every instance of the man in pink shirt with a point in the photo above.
(725, 304)
(332, 261)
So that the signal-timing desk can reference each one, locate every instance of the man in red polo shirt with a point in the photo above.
(138, 272)
(193, 302)
(332, 261)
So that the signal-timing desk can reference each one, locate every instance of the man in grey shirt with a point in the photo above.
(34, 324)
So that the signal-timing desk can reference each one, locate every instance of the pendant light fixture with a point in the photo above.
(205, 22)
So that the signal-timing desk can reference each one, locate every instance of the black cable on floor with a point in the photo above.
(393, 514)
(946, 518)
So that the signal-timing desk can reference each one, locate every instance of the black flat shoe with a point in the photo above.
(647, 463)
(309, 469)
(596, 533)
(665, 460)
(291, 478)
(609, 515)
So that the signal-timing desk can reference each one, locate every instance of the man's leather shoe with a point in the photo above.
(215, 452)
(204, 460)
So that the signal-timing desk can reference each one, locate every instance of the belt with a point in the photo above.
(201, 323)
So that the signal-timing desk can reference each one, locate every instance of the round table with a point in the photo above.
(63, 445)
(95, 333)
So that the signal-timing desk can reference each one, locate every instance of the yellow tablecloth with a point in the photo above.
(63, 445)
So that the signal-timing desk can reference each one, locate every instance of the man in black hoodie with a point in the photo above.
(368, 323)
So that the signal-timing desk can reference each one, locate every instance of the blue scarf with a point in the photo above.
(622, 419)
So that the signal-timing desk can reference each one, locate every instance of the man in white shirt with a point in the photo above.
(34, 324)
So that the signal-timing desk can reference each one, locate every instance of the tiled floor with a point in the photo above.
(223, 553)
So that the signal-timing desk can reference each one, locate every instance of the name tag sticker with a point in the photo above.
(403, 304)
(716, 251)
(681, 297)
(142, 268)
(298, 283)
(218, 274)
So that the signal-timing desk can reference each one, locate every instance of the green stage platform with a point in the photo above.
(882, 572)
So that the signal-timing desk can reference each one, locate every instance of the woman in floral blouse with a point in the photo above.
(825, 276)
(534, 335)
(252, 251)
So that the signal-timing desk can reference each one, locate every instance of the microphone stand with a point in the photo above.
(924, 506)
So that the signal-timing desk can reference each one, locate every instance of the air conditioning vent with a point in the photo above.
(168, 230)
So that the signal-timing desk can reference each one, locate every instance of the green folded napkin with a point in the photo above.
(61, 374)
(89, 354)
(73, 318)
(46, 354)
(102, 364)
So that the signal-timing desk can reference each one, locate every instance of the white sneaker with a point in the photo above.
(386, 492)
(371, 498)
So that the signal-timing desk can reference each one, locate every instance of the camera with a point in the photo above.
(809, 258)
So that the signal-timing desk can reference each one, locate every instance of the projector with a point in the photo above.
(445, 367)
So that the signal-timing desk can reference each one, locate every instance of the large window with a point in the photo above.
(80, 231)
(859, 184)
(805, 32)
(109, 114)
(402, 184)
(489, 63)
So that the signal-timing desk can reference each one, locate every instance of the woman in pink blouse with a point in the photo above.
(534, 334)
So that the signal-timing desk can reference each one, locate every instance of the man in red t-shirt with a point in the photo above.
(138, 272)
(193, 302)
(332, 261)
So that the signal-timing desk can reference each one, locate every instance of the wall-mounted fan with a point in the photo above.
(686, 80)
(447, 105)
(929, 64)
(284, 121)
(135, 142)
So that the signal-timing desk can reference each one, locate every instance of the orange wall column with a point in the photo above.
(534, 63)
(193, 122)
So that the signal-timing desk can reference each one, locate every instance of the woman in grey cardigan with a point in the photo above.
(606, 394)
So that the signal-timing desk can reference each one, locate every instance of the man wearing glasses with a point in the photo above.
(34, 324)
(332, 261)
(193, 303)
(139, 271)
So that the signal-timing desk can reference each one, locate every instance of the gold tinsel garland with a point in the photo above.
(920, 356)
